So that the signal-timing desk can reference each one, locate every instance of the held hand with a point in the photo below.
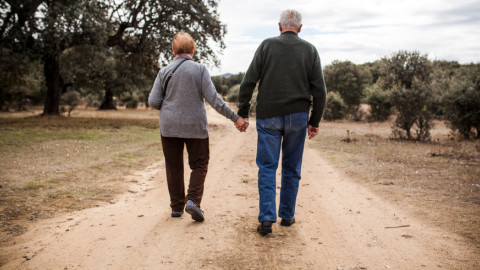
(312, 132)
(241, 124)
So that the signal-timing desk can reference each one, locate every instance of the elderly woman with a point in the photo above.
(179, 91)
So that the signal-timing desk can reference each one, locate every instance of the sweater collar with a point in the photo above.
(289, 33)
(183, 55)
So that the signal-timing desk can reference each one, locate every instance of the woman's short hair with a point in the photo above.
(183, 43)
(290, 19)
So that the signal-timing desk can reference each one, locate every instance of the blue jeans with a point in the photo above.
(292, 129)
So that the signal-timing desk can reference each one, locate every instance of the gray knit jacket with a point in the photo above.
(182, 111)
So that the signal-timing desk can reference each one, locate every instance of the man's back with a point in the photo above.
(288, 71)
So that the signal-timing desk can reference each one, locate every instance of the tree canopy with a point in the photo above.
(140, 31)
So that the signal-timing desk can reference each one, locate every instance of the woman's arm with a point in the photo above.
(155, 99)
(213, 98)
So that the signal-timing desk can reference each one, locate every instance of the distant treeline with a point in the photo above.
(405, 84)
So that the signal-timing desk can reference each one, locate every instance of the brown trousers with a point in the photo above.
(198, 156)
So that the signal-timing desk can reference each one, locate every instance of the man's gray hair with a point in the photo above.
(290, 19)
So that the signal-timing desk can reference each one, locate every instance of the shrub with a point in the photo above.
(253, 102)
(335, 107)
(413, 111)
(380, 107)
(462, 104)
(70, 99)
(130, 99)
(348, 80)
(407, 78)
(232, 95)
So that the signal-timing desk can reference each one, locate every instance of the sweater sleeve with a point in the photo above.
(249, 82)
(155, 99)
(319, 92)
(213, 98)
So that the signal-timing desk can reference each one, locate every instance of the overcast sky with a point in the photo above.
(359, 31)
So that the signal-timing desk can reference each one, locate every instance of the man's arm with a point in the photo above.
(319, 92)
(249, 82)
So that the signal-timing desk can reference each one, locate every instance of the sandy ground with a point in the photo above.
(340, 224)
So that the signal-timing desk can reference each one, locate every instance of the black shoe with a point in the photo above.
(177, 213)
(265, 227)
(194, 210)
(286, 222)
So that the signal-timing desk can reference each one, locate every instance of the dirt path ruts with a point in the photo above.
(340, 224)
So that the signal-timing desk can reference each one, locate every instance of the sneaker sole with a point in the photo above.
(195, 216)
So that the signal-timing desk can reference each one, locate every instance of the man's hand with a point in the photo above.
(241, 124)
(312, 131)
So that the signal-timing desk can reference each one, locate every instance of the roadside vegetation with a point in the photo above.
(405, 85)
(439, 181)
(51, 165)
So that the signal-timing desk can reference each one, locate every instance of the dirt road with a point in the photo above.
(340, 224)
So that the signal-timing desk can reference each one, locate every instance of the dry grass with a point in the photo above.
(440, 180)
(51, 165)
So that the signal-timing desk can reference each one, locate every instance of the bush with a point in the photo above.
(335, 107)
(253, 102)
(380, 107)
(407, 76)
(130, 99)
(349, 80)
(413, 111)
(462, 104)
(232, 95)
(71, 99)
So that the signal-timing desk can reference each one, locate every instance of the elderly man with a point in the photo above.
(179, 91)
(289, 73)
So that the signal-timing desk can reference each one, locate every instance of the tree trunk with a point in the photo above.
(409, 134)
(107, 103)
(146, 102)
(54, 84)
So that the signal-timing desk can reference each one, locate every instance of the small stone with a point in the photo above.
(28, 258)
(140, 215)
(363, 267)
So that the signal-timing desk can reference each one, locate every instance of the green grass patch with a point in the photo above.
(32, 186)
(63, 164)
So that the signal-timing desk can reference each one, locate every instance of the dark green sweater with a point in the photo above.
(289, 73)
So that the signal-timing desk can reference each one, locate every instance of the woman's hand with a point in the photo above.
(241, 124)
